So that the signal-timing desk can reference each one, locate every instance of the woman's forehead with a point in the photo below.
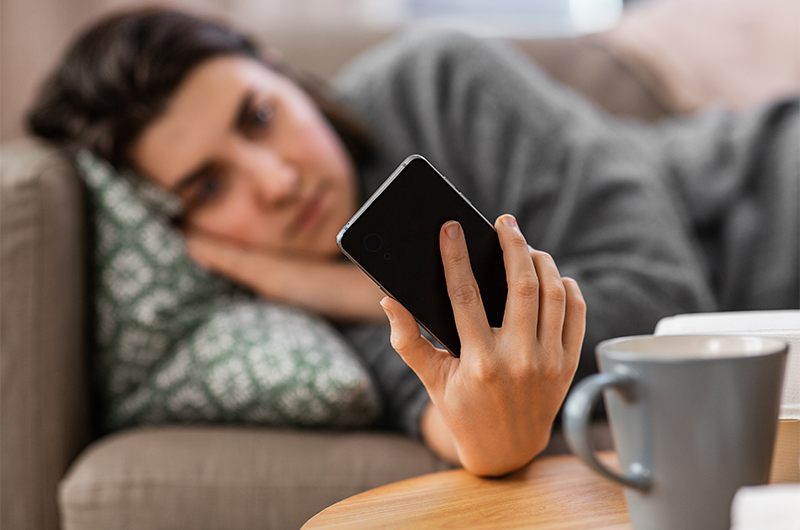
(202, 111)
(216, 77)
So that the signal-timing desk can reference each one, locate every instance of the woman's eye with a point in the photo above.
(206, 190)
(260, 118)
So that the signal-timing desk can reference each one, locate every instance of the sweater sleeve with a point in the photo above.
(739, 179)
(584, 188)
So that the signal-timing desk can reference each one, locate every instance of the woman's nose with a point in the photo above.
(274, 179)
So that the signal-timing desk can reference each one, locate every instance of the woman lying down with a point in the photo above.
(261, 167)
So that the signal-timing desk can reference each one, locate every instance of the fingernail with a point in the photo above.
(388, 312)
(452, 229)
(510, 220)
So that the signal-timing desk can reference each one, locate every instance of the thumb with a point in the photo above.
(428, 362)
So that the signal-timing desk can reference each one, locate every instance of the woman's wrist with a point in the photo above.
(500, 460)
(437, 436)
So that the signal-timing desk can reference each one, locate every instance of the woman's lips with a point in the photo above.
(312, 212)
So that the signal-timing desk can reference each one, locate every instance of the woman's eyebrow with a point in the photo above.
(244, 107)
(191, 178)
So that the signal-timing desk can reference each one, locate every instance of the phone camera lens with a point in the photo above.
(387, 256)
(373, 242)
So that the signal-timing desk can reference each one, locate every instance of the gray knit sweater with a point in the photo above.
(698, 214)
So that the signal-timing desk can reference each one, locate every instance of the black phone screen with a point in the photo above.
(394, 238)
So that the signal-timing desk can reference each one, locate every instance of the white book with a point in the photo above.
(784, 324)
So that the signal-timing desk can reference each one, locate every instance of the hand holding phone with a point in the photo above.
(518, 325)
(495, 405)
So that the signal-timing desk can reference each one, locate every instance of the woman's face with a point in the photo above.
(253, 159)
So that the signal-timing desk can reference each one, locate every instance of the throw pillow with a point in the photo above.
(177, 343)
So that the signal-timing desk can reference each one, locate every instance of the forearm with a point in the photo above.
(337, 290)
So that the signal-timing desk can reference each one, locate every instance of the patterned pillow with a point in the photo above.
(176, 343)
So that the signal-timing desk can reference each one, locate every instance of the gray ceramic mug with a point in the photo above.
(693, 419)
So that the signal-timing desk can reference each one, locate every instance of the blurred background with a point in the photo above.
(33, 33)
(684, 54)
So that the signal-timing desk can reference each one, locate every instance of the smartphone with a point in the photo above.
(394, 239)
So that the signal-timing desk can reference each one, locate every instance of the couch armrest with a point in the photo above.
(44, 420)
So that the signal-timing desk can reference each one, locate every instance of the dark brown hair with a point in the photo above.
(119, 75)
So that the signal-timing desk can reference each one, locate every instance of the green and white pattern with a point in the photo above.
(176, 343)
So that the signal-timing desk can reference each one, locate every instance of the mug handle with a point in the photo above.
(577, 413)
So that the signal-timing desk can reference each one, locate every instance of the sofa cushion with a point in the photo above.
(177, 343)
(229, 478)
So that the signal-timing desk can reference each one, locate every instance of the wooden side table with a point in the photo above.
(551, 493)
